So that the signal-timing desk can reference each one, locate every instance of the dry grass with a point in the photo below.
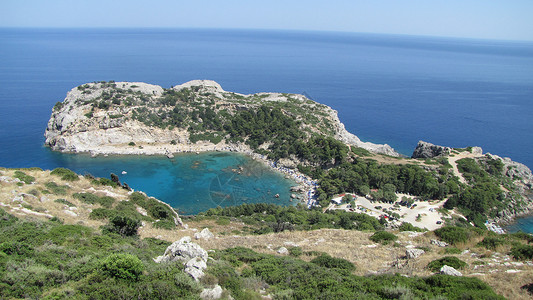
(355, 246)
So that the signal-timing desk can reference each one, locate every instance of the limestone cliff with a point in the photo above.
(140, 118)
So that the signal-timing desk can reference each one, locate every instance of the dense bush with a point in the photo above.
(124, 266)
(329, 262)
(492, 242)
(410, 227)
(54, 188)
(522, 252)
(65, 174)
(450, 261)
(454, 235)
(105, 201)
(296, 279)
(122, 225)
(279, 218)
(24, 177)
(383, 237)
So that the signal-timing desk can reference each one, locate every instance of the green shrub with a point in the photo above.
(450, 261)
(105, 181)
(165, 224)
(295, 251)
(528, 237)
(102, 213)
(124, 226)
(54, 188)
(65, 174)
(383, 237)
(454, 235)
(452, 250)
(492, 242)
(329, 262)
(86, 198)
(124, 266)
(16, 248)
(27, 179)
(105, 201)
(65, 202)
(522, 252)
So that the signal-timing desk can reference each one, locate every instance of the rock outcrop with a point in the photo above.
(183, 250)
(193, 256)
(447, 270)
(428, 150)
(413, 253)
(205, 234)
(113, 118)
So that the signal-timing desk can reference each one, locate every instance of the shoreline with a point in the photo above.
(306, 186)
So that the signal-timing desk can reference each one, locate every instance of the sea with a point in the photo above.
(393, 89)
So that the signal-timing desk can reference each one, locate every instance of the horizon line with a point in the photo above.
(265, 29)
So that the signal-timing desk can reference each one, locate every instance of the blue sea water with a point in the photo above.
(387, 89)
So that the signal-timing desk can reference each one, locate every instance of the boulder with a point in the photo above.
(183, 250)
(204, 234)
(439, 243)
(428, 150)
(414, 253)
(213, 293)
(283, 251)
(447, 270)
(197, 263)
(196, 274)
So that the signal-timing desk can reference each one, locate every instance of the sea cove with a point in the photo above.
(190, 182)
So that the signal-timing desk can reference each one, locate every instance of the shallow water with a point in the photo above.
(191, 182)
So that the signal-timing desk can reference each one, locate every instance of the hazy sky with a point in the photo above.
(494, 19)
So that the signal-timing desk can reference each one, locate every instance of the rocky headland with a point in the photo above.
(141, 118)
(519, 198)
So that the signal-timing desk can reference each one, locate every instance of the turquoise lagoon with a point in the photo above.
(192, 183)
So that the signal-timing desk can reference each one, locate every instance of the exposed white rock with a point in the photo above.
(182, 250)
(204, 234)
(212, 293)
(283, 251)
(414, 253)
(447, 270)
(439, 243)
(70, 213)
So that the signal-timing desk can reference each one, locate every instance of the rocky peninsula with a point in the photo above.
(141, 118)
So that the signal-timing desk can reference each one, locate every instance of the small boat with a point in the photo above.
(124, 172)
(277, 195)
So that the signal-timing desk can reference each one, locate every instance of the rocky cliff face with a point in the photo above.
(125, 117)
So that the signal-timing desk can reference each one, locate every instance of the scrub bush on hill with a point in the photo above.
(123, 225)
(455, 235)
(27, 179)
(450, 261)
(297, 279)
(522, 252)
(65, 174)
(124, 266)
(280, 218)
(383, 237)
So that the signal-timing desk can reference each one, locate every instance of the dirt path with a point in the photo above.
(453, 161)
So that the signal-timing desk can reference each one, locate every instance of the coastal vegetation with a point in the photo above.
(48, 258)
(51, 260)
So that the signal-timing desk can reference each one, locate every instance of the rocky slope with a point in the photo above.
(140, 118)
